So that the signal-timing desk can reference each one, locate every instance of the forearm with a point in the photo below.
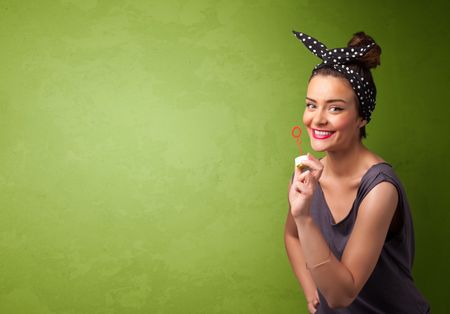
(333, 279)
(297, 261)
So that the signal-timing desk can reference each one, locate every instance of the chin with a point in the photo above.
(319, 148)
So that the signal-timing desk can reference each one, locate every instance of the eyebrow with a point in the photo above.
(330, 100)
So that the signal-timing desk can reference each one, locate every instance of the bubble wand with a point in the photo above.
(298, 140)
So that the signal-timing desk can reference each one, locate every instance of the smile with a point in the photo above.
(321, 135)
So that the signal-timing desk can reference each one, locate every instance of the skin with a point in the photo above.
(331, 105)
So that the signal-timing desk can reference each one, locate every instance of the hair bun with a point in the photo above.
(372, 58)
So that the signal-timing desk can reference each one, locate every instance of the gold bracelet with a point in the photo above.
(321, 263)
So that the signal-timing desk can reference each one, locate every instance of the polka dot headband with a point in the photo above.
(338, 59)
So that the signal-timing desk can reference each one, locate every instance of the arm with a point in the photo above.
(295, 255)
(341, 281)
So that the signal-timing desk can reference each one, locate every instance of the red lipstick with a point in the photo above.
(321, 134)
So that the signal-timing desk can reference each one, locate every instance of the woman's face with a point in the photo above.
(331, 115)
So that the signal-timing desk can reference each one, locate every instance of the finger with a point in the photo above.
(315, 167)
(297, 169)
(312, 161)
(312, 157)
(306, 178)
(311, 308)
(317, 296)
(305, 187)
(301, 175)
(312, 164)
(300, 187)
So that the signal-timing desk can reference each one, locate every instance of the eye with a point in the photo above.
(310, 106)
(336, 109)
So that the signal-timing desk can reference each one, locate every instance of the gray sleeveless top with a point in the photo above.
(390, 288)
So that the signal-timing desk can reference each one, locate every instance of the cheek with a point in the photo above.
(344, 123)
(306, 118)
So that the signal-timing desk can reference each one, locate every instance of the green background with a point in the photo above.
(145, 147)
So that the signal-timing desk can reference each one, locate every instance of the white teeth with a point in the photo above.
(322, 133)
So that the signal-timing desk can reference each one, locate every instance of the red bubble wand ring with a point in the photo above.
(297, 137)
(296, 133)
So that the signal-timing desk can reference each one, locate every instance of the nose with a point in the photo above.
(320, 118)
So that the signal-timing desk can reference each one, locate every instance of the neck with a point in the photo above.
(344, 163)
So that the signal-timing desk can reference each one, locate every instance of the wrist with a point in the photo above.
(311, 296)
(303, 220)
(301, 209)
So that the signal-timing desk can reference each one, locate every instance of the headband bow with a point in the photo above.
(338, 58)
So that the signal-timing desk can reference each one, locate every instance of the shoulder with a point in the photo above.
(376, 174)
(383, 195)
(377, 210)
(380, 193)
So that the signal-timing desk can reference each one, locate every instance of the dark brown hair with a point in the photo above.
(362, 65)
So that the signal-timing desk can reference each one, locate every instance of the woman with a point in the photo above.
(349, 234)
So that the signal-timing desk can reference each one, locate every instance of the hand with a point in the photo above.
(313, 303)
(303, 187)
(314, 165)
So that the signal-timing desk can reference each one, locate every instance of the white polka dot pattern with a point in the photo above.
(337, 59)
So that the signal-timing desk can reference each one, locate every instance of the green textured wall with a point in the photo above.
(145, 148)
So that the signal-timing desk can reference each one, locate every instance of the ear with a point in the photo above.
(362, 122)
